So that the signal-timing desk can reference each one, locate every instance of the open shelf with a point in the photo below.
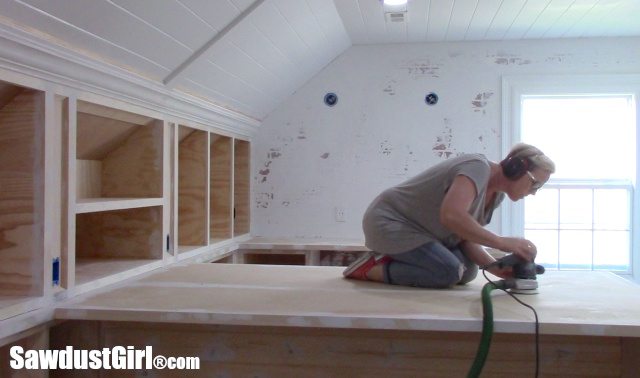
(108, 204)
(21, 194)
(241, 152)
(114, 241)
(192, 188)
(275, 258)
(220, 189)
(119, 154)
(88, 269)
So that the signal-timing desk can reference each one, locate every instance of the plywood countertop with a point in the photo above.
(569, 303)
(305, 244)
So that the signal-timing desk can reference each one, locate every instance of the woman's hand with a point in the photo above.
(519, 246)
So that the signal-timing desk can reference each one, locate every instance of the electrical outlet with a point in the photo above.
(338, 213)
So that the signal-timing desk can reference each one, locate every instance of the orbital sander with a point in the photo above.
(524, 274)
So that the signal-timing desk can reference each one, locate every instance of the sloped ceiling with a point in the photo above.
(245, 55)
(250, 55)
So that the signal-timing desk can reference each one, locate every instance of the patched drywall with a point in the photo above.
(316, 168)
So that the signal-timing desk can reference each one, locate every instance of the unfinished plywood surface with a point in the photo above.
(132, 233)
(220, 192)
(134, 169)
(305, 244)
(36, 341)
(93, 205)
(241, 187)
(89, 183)
(97, 136)
(571, 303)
(119, 154)
(192, 188)
(91, 269)
(21, 194)
(8, 92)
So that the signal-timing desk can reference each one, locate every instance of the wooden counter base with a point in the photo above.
(248, 351)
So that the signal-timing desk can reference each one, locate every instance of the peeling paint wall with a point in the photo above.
(313, 161)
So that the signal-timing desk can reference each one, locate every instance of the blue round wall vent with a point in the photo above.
(431, 99)
(330, 99)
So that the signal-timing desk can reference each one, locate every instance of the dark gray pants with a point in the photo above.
(431, 265)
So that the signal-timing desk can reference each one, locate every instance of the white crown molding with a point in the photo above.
(30, 55)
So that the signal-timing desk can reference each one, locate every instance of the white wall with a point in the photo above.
(309, 159)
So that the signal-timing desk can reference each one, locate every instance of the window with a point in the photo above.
(583, 218)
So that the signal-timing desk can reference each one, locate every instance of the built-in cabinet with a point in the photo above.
(212, 188)
(22, 120)
(95, 190)
(118, 202)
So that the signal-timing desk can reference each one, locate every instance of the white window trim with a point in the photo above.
(514, 86)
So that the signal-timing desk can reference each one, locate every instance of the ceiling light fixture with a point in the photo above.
(395, 2)
(395, 10)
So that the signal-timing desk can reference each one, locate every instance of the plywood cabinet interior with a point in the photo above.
(119, 154)
(241, 187)
(22, 114)
(33, 339)
(212, 188)
(220, 190)
(192, 188)
(120, 210)
(111, 241)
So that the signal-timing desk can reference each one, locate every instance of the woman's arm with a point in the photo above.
(478, 255)
(454, 215)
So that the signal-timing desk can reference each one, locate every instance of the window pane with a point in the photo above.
(611, 209)
(575, 209)
(569, 118)
(611, 250)
(547, 244)
(541, 210)
(575, 249)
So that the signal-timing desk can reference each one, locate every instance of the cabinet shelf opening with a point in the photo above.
(119, 154)
(241, 187)
(192, 188)
(112, 241)
(220, 191)
(21, 194)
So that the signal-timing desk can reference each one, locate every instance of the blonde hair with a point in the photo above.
(534, 155)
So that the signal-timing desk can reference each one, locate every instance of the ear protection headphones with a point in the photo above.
(515, 167)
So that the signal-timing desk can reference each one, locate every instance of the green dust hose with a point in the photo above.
(487, 328)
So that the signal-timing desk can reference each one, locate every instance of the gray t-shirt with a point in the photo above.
(407, 216)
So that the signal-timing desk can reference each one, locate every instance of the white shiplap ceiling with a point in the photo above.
(476, 20)
(250, 55)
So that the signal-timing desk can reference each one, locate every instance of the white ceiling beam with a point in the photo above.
(177, 73)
